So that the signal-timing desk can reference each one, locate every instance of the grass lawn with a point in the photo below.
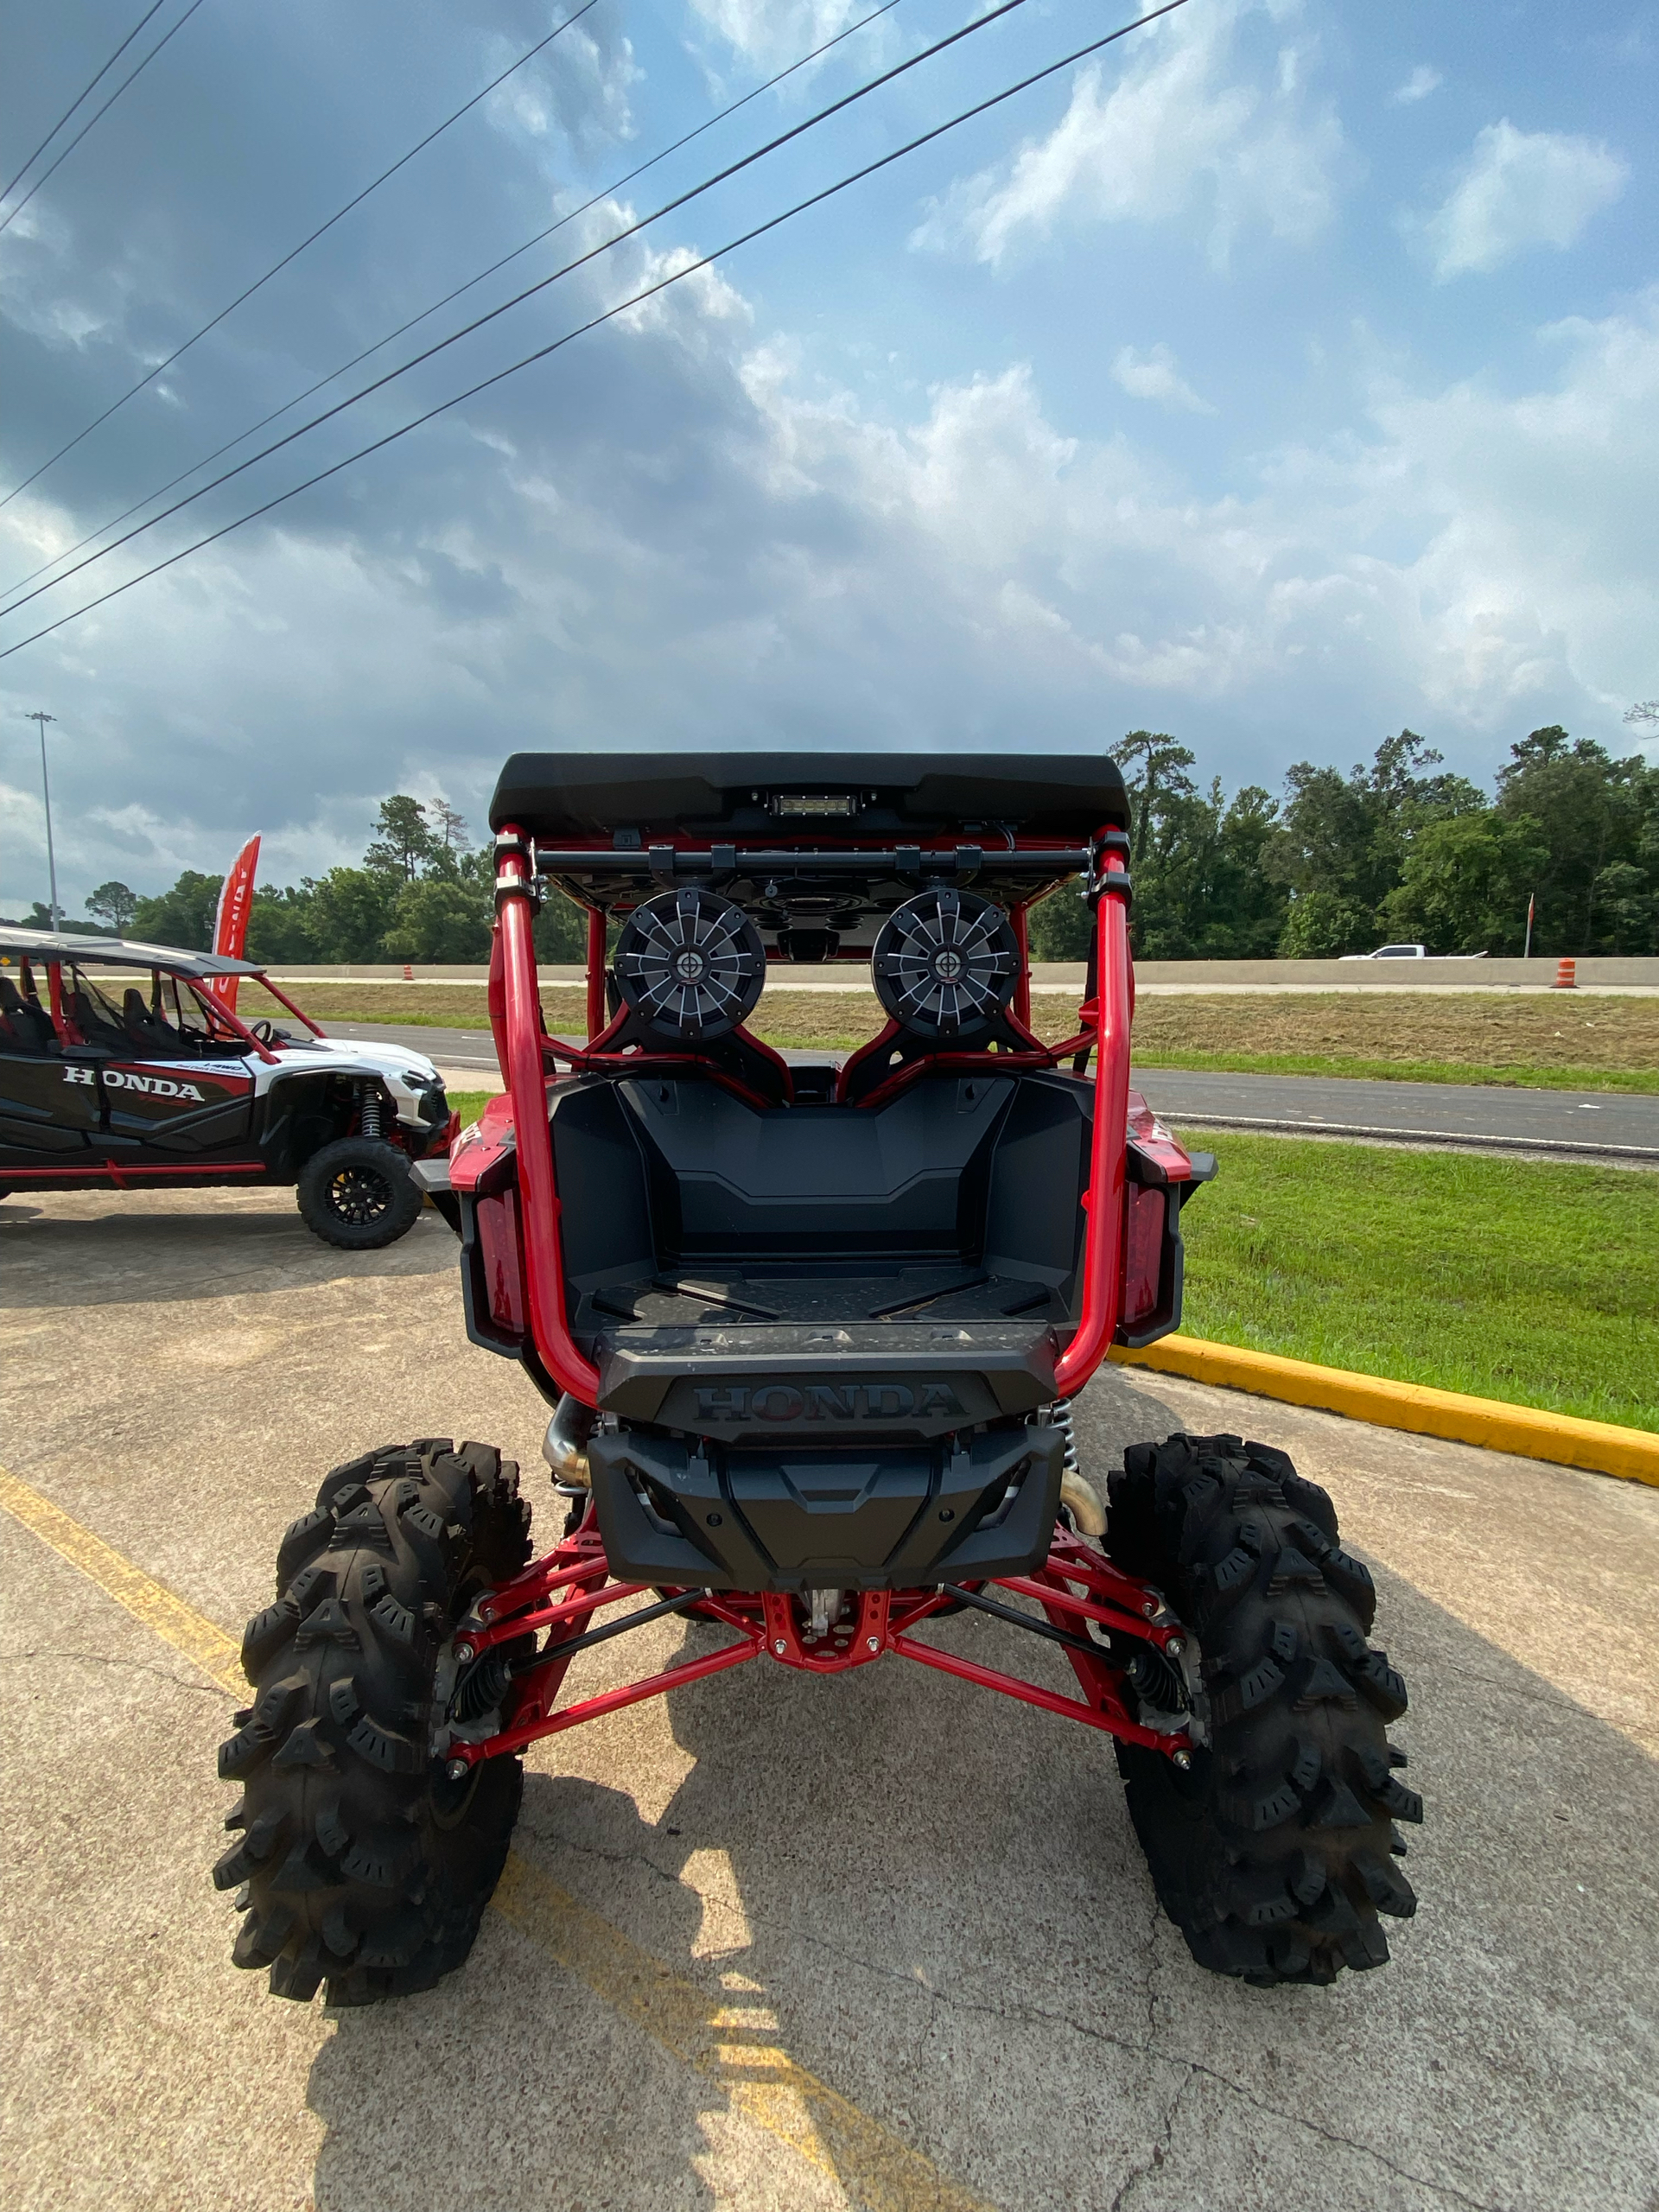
(1560, 1044)
(1530, 1283)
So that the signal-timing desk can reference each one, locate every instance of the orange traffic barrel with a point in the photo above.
(1566, 975)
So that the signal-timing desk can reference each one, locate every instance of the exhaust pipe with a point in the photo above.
(565, 1445)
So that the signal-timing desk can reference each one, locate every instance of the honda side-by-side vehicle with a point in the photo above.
(122, 1067)
(809, 1334)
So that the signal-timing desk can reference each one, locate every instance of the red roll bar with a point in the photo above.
(516, 1017)
(1102, 1245)
(595, 973)
(1020, 922)
(524, 1068)
(282, 999)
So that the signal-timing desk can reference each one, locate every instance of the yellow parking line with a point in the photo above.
(169, 1617)
(715, 2037)
(728, 2044)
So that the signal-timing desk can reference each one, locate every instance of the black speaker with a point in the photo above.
(945, 964)
(689, 964)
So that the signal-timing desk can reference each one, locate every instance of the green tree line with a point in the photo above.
(1396, 849)
(422, 892)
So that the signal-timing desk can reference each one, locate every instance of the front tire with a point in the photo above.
(357, 1193)
(360, 1863)
(1275, 1853)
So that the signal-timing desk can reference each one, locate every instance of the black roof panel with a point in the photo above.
(594, 794)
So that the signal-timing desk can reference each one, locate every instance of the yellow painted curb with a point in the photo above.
(1599, 1446)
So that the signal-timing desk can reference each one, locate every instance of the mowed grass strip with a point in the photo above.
(470, 1105)
(1534, 1284)
(802, 1021)
(1548, 1043)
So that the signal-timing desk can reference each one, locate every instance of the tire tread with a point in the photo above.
(1275, 1854)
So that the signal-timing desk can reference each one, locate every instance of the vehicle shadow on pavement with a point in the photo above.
(89, 1251)
(930, 1900)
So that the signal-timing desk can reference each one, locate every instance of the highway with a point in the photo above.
(1573, 1123)
(1606, 1124)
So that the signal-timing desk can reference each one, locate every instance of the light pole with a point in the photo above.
(45, 787)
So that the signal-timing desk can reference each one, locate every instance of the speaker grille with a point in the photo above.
(945, 963)
(689, 964)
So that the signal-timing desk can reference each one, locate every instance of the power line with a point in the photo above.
(6, 220)
(637, 298)
(277, 267)
(6, 191)
(631, 230)
(253, 429)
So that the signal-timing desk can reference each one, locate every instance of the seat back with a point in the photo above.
(27, 1027)
(656, 1174)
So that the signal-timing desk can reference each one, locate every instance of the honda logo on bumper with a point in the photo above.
(839, 1402)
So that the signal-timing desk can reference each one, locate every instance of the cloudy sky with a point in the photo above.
(1285, 374)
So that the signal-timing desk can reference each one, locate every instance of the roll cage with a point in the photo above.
(196, 975)
(818, 851)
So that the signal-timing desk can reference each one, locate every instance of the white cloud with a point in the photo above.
(673, 534)
(727, 555)
(1155, 375)
(579, 89)
(1422, 81)
(1521, 189)
(769, 34)
(1193, 120)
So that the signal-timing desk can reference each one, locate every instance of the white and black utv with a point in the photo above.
(121, 1067)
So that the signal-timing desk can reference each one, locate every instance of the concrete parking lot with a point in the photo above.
(880, 1941)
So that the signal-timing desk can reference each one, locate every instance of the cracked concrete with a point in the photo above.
(935, 1895)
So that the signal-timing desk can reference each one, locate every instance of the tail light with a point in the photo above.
(501, 1247)
(1146, 1218)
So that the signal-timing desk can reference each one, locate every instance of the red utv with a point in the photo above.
(810, 1334)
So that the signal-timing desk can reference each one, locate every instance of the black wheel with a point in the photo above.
(1275, 1852)
(360, 1863)
(357, 1192)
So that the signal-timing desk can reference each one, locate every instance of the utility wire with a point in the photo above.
(631, 230)
(85, 91)
(275, 268)
(637, 298)
(108, 105)
(253, 429)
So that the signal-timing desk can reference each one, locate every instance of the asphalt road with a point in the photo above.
(1609, 1125)
(1617, 1124)
(774, 1944)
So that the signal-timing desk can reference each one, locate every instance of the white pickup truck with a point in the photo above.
(1410, 952)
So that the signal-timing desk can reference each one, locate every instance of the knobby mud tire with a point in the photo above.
(1276, 1853)
(358, 1862)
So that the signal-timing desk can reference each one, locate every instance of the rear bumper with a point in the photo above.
(698, 1514)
